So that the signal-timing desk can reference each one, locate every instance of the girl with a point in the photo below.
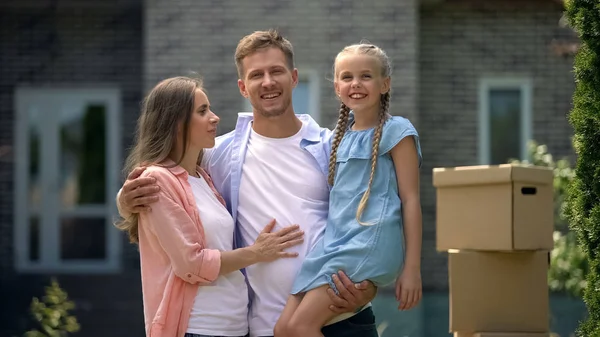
(186, 240)
(374, 200)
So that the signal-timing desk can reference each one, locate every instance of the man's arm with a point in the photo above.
(137, 193)
(352, 296)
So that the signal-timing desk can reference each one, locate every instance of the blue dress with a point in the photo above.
(374, 252)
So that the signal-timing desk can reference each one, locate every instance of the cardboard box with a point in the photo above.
(501, 334)
(498, 291)
(494, 208)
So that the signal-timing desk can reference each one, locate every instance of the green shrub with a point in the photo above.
(583, 197)
(52, 318)
(538, 155)
(568, 263)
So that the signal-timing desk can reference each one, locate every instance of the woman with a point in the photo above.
(191, 280)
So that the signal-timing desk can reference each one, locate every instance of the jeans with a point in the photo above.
(359, 325)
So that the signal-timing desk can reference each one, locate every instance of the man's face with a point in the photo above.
(268, 82)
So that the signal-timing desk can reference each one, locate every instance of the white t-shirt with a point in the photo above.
(221, 308)
(279, 180)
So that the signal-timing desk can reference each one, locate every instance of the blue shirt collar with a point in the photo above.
(311, 132)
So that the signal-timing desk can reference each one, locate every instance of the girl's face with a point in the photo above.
(359, 83)
(203, 123)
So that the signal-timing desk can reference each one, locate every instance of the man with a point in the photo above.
(273, 165)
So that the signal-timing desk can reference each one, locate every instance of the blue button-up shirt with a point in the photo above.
(224, 161)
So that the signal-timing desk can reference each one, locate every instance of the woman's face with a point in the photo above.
(203, 123)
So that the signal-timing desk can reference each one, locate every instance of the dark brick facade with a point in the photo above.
(187, 35)
(68, 43)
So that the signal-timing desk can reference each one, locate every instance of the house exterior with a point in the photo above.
(477, 78)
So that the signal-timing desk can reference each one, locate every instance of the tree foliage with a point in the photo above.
(583, 197)
(568, 264)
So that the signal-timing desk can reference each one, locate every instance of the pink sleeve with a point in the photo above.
(179, 236)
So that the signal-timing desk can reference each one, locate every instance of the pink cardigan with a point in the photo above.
(173, 255)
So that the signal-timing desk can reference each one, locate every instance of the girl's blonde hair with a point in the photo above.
(342, 123)
(168, 105)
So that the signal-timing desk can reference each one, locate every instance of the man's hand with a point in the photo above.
(351, 296)
(137, 193)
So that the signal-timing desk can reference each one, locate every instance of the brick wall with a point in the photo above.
(437, 68)
(201, 36)
(69, 44)
(457, 42)
(461, 41)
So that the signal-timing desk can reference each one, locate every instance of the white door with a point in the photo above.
(67, 153)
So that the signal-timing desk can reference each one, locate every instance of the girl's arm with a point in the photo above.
(406, 163)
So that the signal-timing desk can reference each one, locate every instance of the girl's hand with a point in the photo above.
(409, 288)
(270, 246)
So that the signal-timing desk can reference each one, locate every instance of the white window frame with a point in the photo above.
(524, 84)
(49, 250)
(314, 93)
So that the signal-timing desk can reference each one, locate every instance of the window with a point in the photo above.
(504, 119)
(305, 97)
(67, 151)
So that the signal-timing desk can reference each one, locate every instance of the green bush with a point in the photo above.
(538, 155)
(583, 197)
(52, 318)
(568, 263)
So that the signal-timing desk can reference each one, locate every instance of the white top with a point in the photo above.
(279, 180)
(221, 308)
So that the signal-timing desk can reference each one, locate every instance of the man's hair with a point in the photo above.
(168, 106)
(251, 43)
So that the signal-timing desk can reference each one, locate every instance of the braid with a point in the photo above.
(340, 130)
(385, 103)
(364, 48)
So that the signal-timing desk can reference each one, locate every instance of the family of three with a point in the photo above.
(280, 227)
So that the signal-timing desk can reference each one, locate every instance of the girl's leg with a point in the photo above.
(312, 313)
(290, 307)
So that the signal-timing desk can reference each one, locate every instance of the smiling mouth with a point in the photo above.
(358, 96)
(270, 96)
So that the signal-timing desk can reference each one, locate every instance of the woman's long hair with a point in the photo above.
(168, 105)
(344, 114)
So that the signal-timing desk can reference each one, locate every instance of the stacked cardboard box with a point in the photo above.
(496, 223)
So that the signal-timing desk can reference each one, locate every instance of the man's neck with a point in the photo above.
(282, 126)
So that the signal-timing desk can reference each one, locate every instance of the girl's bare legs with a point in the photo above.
(310, 315)
(286, 315)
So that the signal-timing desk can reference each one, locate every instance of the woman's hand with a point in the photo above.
(267, 247)
(409, 288)
(270, 246)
